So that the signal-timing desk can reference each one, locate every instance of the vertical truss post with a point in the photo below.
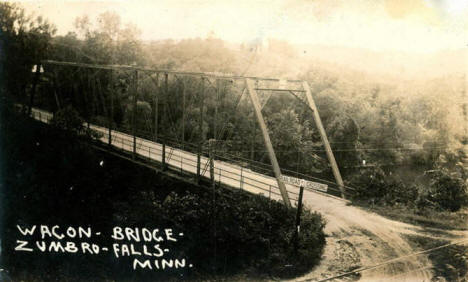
(268, 145)
(57, 101)
(252, 141)
(111, 112)
(211, 154)
(135, 98)
(200, 128)
(156, 105)
(89, 89)
(215, 124)
(33, 91)
(163, 119)
(323, 135)
(183, 113)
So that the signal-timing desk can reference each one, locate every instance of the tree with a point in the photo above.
(110, 42)
(24, 42)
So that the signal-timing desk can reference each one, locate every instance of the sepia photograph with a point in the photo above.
(203, 140)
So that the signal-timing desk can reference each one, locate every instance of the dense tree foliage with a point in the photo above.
(24, 41)
(374, 122)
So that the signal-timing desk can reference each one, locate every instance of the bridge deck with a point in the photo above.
(225, 173)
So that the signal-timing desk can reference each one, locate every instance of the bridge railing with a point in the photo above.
(183, 158)
(185, 162)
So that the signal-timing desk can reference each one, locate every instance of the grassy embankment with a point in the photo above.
(50, 178)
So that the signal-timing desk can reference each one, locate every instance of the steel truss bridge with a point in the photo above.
(174, 121)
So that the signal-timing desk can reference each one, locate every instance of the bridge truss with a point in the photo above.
(146, 102)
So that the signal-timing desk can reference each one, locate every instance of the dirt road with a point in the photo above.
(359, 238)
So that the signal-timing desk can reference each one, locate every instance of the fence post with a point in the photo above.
(241, 178)
(163, 153)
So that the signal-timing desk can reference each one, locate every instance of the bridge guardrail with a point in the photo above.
(225, 173)
(178, 161)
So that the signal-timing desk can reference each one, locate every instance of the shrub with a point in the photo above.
(444, 192)
(448, 191)
(376, 186)
(68, 119)
(238, 232)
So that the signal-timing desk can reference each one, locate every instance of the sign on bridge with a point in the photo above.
(305, 183)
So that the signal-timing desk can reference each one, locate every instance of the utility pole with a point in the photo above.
(298, 219)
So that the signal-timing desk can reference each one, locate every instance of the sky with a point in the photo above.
(422, 26)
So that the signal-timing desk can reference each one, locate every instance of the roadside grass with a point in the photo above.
(449, 263)
(422, 217)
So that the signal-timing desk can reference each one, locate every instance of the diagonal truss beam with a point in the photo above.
(266, 139)
(323, 135)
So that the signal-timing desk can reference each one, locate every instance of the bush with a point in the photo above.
(444, 192)
(448, 192)
(68, 119)
(377, 187)
(239, 233)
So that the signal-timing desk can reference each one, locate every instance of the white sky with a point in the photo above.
(410, 25)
